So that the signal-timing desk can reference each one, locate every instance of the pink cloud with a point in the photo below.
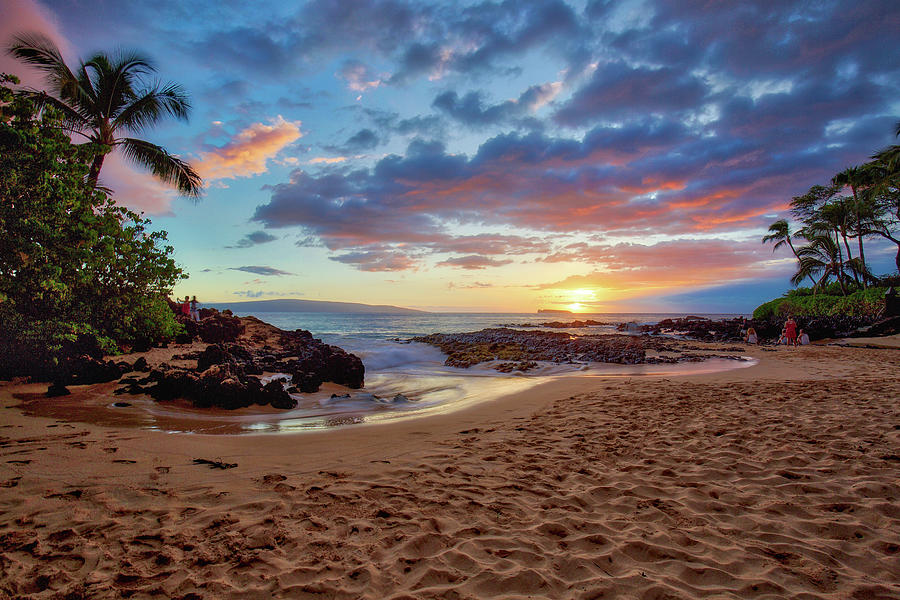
(248, 152)
(26, 16)
(138, 190)
(678, 263)
(473, 262)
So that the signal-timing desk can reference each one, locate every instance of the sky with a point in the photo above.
(596, 156)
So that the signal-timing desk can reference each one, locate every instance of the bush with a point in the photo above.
(78, 274)
(862, 303)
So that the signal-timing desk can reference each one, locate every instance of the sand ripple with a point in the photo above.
(650, 489)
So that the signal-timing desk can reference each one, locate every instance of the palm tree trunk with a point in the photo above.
(849, 254)
(94, 173)
(862, 255)
(840, 259)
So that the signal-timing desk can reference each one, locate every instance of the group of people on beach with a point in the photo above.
(791, 335)
(191, 308)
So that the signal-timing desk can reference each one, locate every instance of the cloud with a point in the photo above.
(250, 293)
(472, 111)
(247, 153)
(26, 16)
(254, 239)
(257, 270)
(473, 262)
(618, 90)
(642, 268)
(378, 260)
(358, 76)
(364, 139)
(135, 188)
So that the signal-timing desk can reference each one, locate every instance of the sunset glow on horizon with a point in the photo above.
(494, 157)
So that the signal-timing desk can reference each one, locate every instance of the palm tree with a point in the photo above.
(856, 178)
(780, 233)
(835, 215)
(106, 96)
(820, 257)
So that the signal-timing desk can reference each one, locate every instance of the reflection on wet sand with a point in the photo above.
(428, 393)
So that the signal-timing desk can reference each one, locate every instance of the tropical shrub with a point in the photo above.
(798, 303)
(77, 272)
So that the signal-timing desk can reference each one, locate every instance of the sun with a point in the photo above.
(575, 307)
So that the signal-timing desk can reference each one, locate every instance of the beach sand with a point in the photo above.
(778, 480)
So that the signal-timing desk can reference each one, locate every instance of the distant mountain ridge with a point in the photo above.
(312, 306)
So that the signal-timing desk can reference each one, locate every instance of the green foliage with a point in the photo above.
(75, 269)
(802, 303)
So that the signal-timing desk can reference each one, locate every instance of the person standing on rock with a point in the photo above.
(195, 310)
(186, 306)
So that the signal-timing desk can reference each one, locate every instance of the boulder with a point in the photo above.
(275, 395)
(57, 389)
(220, 327)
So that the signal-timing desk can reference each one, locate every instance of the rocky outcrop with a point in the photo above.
(561, 324)
(522, 347)
(698, 328)
(227, 371)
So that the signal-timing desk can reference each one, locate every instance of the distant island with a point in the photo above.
(311, 306)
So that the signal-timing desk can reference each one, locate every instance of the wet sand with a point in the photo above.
(779, 480)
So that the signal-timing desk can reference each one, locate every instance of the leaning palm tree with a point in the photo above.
(780, 233)
(107, 96)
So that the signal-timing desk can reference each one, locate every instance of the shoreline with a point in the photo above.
(752, 482)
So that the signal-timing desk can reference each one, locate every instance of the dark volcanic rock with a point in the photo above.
(224, 375)
(275, 395)
(57, 389)
(510, 345)
(220, 327)
(84, 370)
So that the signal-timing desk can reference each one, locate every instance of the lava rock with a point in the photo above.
(57, 389)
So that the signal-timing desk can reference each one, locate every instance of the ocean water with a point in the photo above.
(407, 379)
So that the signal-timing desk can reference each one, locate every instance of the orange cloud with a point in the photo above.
(249, 151)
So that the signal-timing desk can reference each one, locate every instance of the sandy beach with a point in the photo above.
(778, 480)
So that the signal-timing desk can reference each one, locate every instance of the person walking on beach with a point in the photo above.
(790, 330)
(195, 310)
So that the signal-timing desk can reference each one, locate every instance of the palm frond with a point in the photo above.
(72, 119)
(148, 108)
(163, 165)
(38, 50)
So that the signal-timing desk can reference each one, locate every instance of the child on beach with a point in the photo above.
(195, 310)
(751, 336)
(803, 339)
